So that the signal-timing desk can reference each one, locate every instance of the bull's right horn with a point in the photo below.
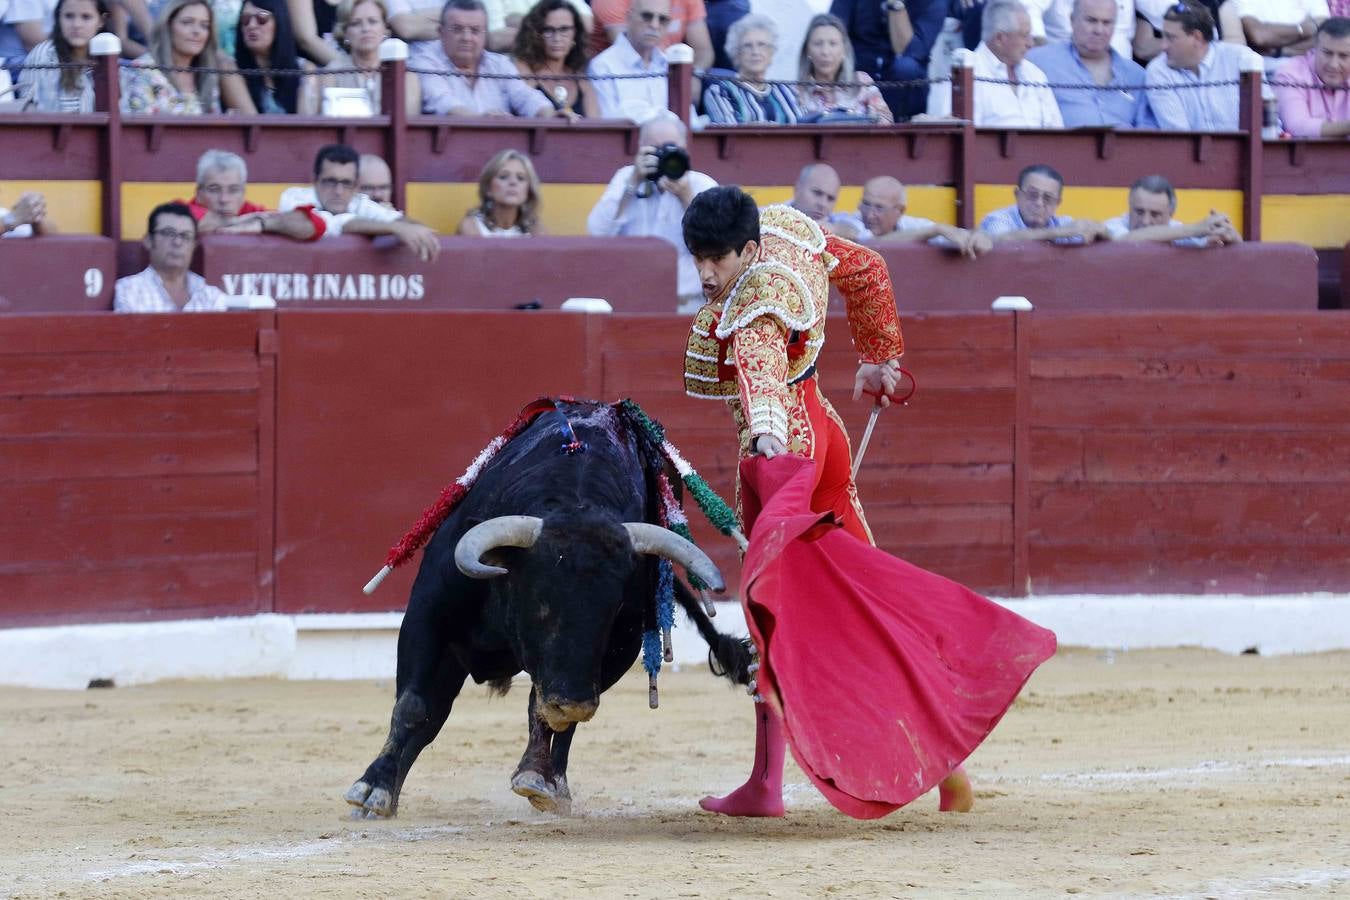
(648, 538)
(502, 531)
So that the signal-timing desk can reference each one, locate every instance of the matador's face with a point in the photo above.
(718, 273)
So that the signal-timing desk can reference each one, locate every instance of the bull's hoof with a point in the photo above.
(543, 794)
(370, 802)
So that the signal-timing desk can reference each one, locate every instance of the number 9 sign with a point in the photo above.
(93, 282)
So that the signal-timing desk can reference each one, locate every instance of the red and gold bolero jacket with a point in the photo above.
(764, 337)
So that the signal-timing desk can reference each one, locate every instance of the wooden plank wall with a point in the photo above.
(1189, 453)
(129, 468)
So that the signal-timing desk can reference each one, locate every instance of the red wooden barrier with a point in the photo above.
(57, 273)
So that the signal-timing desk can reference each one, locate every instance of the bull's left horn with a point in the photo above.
(648, 538)
(502, 531)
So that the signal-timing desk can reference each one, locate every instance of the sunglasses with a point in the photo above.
(654, 18)
(260, 17)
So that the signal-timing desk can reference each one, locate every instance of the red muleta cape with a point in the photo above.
(888, 676)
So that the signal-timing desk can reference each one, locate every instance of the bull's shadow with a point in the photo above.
(549, 565)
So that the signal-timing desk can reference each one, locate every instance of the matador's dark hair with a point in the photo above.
(720, 220)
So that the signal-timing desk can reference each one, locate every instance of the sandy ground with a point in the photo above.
(1160, 773)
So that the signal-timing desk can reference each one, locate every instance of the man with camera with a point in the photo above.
(648, 198)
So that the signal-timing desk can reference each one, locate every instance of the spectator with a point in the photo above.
(220, 206)
(1153, 202)
(463, 56)
(334, 198)
(1322, 110)
(505, 18)
(842, 92)
(27, 218)
(1058, 21)
(23, 25)
(816, 192)
(551, 43)
(166, 285)
(64, 90)
(722, 14)
(1194, 84)
(374, 179)
(748, 98)
(1149, 14)
(636, 51)
(184, 37)
(508, 199)
(264, 41)
(1026, 102)
(362, 25)
(892, 41)
(1039, 190)
(881, 217)
(313, 22)
(1276, 28)
(629, 207)
(419, 23)
(688, 24)
(1112, 91)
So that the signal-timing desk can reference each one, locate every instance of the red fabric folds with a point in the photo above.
(887, 676)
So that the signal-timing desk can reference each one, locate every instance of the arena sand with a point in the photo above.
(1159, 773)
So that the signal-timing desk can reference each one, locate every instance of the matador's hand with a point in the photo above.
(879, 379)
(768, 446)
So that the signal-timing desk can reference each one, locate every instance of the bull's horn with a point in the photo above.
(503, 531)
(648, 538)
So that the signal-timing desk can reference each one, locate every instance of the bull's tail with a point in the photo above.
(728, 656)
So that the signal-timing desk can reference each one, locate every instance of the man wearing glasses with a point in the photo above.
(334, 198)
(1038, 192)
(166, 285)
(637, 51)
(688, 24)
(220, 207)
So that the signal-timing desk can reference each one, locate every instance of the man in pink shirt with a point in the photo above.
(1310, 104)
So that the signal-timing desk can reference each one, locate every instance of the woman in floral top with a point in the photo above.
(64, 90)
(827, 56)
(185, 36)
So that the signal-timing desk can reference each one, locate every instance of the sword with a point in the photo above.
(876, 411)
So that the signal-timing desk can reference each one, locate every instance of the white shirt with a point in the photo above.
(1282, 12)
(1187, 107)
(360, 207)
(660, 215)
(18, 231)
(144, 292)
(629, 98)
(904, 223)
(1030, 104)
(1059, 30)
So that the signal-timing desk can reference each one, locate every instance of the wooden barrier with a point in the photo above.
(57, 273)
(171, 466)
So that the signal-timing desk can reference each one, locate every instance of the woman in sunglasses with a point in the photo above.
(264, 40)
(551, 53)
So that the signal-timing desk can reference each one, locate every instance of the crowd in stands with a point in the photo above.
(1037, 63)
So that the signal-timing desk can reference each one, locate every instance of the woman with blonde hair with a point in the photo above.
(184, 37)
(362, 25)
(508, 199)
(841, 91)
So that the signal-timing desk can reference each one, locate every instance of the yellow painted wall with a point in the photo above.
(1103, 203)
(1321, 221)
(73, 206)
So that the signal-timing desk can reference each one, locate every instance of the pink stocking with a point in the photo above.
(762, 793)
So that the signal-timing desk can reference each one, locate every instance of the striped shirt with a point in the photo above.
(144, 292)
(731, 102)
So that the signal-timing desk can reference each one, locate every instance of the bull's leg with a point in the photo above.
(537, 778)
(429, 681)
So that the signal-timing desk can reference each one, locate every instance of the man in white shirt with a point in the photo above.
(463, 54)
(635, 52)
(881, 217)
(1152, 205)
(344, 211)
(1277, 28)
(1009, 91)
(623, 210)
(1193, 85)
(166, 285)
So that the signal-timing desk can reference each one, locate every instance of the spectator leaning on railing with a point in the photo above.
(166, 285)
(221, 207)
(264, 41)
(636, 52)
(455, 88)
(881, 217)
(1193, 86)
(1314, 89)
(1038, 193)
(362, 25)
(892, 41)
(1152, 203)
(333, 197)
(185, 36)
(508, 199)
(27, 218)
(1010, 91)
(64, 90)
(841, 91)
(748, 98)
(1112, 92)
(551, 43)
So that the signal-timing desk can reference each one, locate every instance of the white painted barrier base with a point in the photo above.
(364, 645)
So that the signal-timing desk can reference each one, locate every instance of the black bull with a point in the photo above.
(548, 566)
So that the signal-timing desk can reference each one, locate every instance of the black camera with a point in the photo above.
(672, 161)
